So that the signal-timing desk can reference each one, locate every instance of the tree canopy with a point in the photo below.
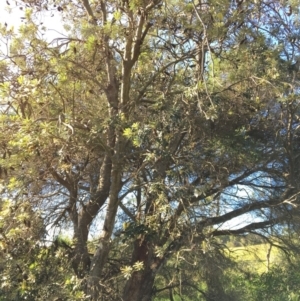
(152, 124)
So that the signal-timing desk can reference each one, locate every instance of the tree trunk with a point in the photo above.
(81, 259)
(82, 220)
(100, 258)
(139, 286)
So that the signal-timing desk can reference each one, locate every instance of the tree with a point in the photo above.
(152, 115)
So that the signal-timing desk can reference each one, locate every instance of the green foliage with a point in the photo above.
(151, 125)
(280, 282)
(29, 268)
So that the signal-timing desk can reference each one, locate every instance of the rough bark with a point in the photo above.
(139, 286)
(100, 258)
(83, 220)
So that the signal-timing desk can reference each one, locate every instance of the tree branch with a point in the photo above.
(248, 228)
(87, 6)
(245, 209)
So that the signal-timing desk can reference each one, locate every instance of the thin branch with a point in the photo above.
(126, 211)
(248, 228)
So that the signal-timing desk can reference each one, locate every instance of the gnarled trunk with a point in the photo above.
(140, 285)
(81, 259)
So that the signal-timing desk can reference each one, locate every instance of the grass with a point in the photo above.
(255, 256)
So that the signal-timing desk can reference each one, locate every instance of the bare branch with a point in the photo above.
(87, 6)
